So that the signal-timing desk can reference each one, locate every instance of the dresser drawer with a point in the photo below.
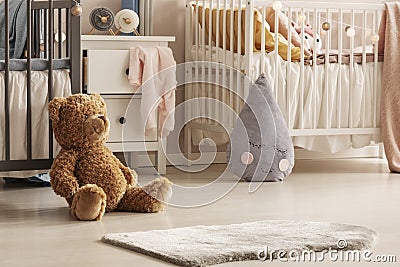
(107, 72)
(125, 127)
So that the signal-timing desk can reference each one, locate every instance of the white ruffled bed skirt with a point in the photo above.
(320, 92)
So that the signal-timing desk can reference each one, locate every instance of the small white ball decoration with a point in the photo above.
(350, 31)
(284, 165)
(277, 5)
(375, 38)
(247, 158)
(367, 32)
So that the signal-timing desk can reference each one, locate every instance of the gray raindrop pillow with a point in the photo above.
(260, 148)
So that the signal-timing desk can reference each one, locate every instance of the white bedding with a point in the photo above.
(362, 93)
(40, 117)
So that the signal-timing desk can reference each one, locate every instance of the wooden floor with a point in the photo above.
(36, 230)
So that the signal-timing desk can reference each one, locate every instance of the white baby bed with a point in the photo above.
(322, 114)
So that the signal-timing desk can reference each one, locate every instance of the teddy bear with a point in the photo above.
(86, 173)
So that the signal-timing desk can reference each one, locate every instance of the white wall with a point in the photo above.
(169, 19)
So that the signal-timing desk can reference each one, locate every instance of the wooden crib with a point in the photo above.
(331, 94)
(49, 66)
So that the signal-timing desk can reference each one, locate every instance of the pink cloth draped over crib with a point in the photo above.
(154, 69)
(389, 42)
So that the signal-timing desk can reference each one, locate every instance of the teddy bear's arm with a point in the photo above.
(63, 180)
(130, 175)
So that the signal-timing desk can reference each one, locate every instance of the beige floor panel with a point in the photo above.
(36, 230)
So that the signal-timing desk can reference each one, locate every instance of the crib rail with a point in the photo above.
(351, 30)
(43, 17)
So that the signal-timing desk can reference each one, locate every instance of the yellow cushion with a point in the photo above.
(269, 37)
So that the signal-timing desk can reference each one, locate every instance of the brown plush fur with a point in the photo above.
(86, 173)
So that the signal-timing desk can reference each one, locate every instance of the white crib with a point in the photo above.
(330, 101)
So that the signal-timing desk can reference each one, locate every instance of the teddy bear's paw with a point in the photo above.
(89, 203)
(159, 189)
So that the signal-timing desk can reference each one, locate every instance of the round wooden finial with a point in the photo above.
(76, 10)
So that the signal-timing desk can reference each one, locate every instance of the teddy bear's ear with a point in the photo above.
(55, 106)
(97, 97)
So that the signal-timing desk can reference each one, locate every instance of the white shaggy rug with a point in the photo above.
(207, 245)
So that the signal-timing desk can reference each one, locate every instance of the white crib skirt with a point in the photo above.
(321, 97)
(326, 96)
(40, 117)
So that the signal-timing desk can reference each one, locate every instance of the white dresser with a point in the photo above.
(106, 70)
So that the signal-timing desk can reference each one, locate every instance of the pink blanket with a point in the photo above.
(389, 41)
(154, 69)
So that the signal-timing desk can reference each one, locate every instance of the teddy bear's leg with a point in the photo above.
(89, 203)
(149, 198)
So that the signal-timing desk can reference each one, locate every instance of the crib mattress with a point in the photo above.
(37, 64)
(216, 54)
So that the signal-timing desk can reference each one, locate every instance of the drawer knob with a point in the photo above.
(127, 71)
(122, 120)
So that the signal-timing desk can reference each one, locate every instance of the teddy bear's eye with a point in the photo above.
(306, 37)
(86, 116)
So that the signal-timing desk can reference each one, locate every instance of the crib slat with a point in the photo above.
(351, 79)
(289, 73)
(196, 33)
(188, 79)
(314, 94)
(302, 72)
(375, 82)
(264, 10)
(327, 48)
(211, 107)
(196, 105)
(7, 80)
(59, 44)
(231, 45)
(340, 46)
(28, 81)
(364, 67)
(377, 86)
(202, 88)
(45, 33)
(50, 70)
(36, 43)
(67, 31)
(217, 69)
(75, 54)
(239, 62)
(223, 118)
(249, 41)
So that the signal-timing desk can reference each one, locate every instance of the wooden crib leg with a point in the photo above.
(188, 145)
(161, 161)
